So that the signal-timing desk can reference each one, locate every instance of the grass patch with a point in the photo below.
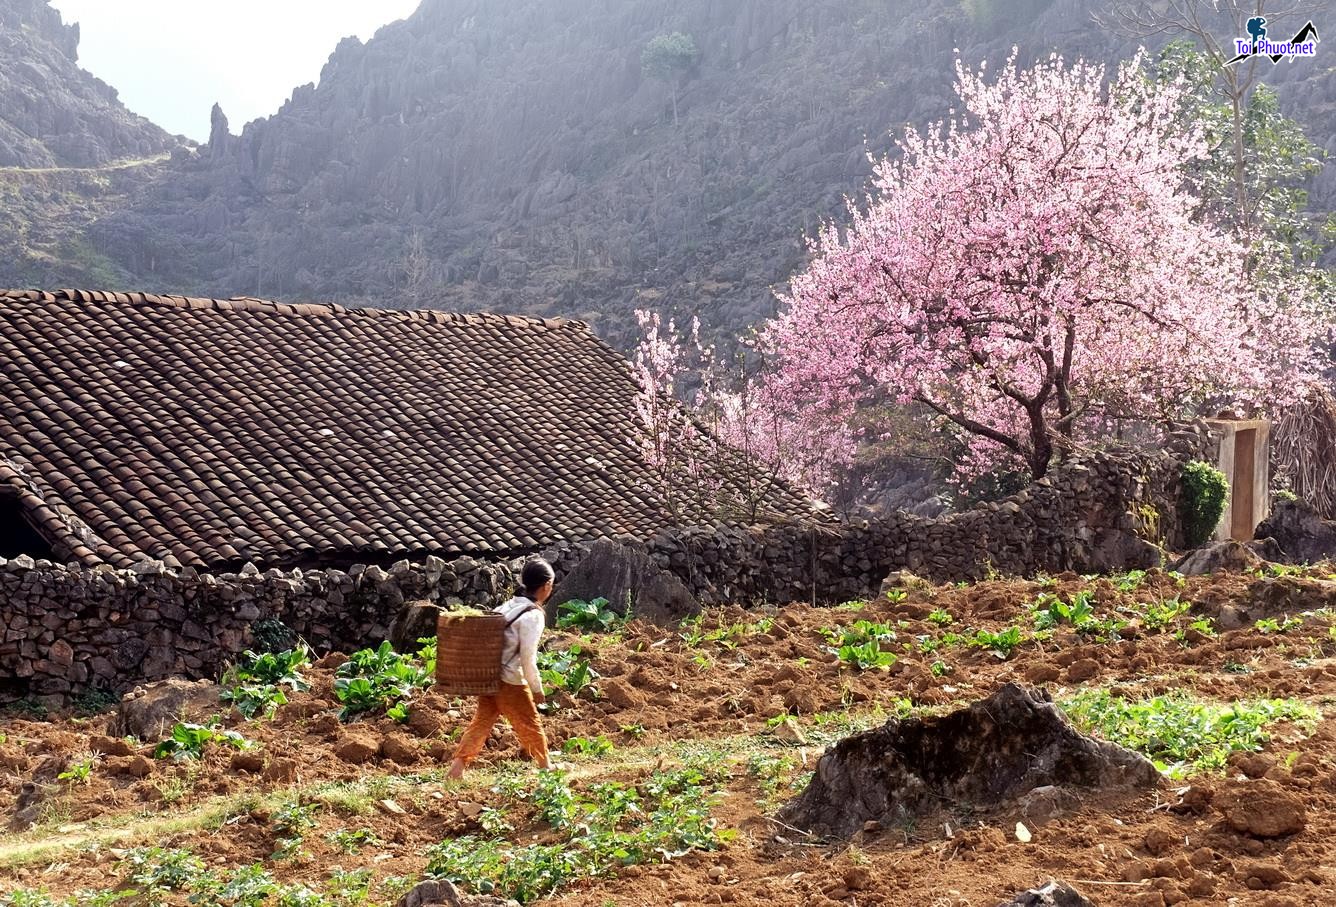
(602, 827)
(1180, 734)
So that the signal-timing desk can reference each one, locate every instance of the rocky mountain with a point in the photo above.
(515, 155)
(52, 113)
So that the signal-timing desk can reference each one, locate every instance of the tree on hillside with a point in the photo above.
(1034, 267)
(1286, 241)
(1212, 25)
(667, 58)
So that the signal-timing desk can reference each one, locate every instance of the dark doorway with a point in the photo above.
(1243, 493)
(16, 536)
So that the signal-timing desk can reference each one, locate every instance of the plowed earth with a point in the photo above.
(660, 696)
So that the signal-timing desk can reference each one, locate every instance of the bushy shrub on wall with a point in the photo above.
(1205, 491)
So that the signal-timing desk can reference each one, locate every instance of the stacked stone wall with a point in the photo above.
(66, 629)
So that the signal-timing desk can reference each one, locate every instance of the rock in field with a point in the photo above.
(1262, 809)
(1054, 894)
(148, 712)
(445, 894)
(986, 755)
(620, 574)
(357, 748)
(1223, 557)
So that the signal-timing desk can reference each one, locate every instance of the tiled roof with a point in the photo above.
(223, 431)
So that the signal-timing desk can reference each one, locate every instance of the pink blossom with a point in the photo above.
(1031, 264)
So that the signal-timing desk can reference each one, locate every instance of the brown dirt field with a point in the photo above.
(659, 693)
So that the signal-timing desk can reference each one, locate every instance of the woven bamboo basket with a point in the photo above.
(468, 653)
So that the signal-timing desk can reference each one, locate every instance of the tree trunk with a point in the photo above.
(1041, 451)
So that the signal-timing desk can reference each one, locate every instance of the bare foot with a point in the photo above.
(456, 770)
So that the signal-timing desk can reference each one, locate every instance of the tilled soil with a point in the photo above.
(1213, 843)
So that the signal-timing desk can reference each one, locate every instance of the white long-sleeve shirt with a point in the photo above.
(519, 649)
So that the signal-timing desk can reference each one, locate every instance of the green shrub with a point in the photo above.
(253, 684)
(188, 741)
(565, 671)
(1205, 491)
(1179, 733)
(379, 680)
(591, 615)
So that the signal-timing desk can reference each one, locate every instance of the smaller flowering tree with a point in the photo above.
(728, 447)
(1031, 265)
(674, 446)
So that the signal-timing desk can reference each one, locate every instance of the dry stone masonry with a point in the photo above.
(67, 629)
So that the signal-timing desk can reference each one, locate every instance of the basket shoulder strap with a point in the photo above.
(521, 612)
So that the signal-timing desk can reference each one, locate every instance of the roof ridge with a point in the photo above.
(305, 309)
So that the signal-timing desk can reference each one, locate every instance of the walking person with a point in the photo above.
(521, 690)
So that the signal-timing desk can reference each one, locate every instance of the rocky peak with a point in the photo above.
(52, 113)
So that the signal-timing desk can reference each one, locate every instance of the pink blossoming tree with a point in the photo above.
(1032, 266)
(734, 428)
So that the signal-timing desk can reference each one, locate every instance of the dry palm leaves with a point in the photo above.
(1305, 450)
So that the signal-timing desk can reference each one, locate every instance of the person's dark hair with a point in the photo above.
(535, 575)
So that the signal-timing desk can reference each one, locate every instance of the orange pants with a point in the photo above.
(515, 702)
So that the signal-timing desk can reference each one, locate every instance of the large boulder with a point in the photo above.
(1301, 533)
(1115, 550)
(1222, 557)
(624, 576)
(415, 620)
(986, 755)
(149, 711)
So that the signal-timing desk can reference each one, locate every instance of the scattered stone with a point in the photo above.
(134, 766)
(398, 748)
(790, 732)
(432, 894)
(357, 748)
(1023, 834)
(1054, 894)
(149, 712)
(1048, 802)
(27, 806)
(1082, 669)
(471, 810)
(901, 579)
(991, 753)
(390, 808)
(1262, 809)
(110, 746)
(1304, 536)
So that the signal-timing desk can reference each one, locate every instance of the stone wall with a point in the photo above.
(1107, 512)
(66, 629)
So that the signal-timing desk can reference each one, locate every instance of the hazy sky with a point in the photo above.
(172, 59)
